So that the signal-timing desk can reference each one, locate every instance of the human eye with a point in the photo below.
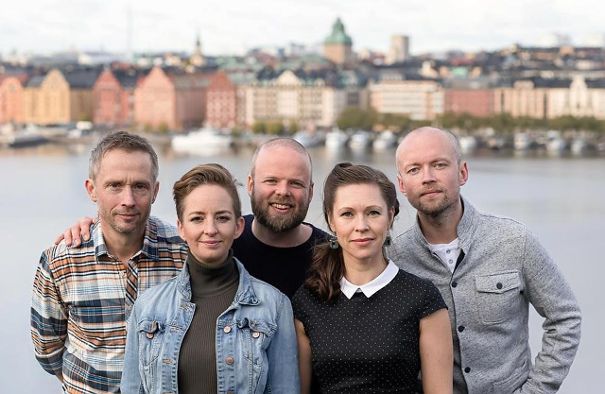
(346, 214)
(440, 165)
(412, 170)
(223, 218)
(297, 184)
(270, 181)
(375, 212)
(196, 219)
(140, 187)
(114, 186)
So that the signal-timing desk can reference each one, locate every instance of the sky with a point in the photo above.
(233, 26)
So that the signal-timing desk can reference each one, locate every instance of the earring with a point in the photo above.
(333, 242)
(388, 240)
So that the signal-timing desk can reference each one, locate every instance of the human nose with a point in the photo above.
(428, 175)
(361, 223)
(210, 227)
(283, 188)
(128, 197)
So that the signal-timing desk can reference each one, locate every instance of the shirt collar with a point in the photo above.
(370, 288)
(150, 240)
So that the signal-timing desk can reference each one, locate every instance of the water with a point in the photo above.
(561, 200)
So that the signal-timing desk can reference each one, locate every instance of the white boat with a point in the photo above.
(385, 140)
(579, 146)
(555, 144)
(360, 140)
(336, 139)
(468, 143)
(522, 141)
(205, 140)
(309, 139)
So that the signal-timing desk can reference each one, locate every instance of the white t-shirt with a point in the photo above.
(447, 253)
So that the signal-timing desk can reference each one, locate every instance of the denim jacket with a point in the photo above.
(256, 349)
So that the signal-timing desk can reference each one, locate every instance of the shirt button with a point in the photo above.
(498, 285)
(227, 329)
(229, 360)
(447, 251)
(467, 369)
(460, 328)
(454, 284)
(255, 334)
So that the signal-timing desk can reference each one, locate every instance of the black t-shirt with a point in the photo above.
(368, 345)
(284, 268)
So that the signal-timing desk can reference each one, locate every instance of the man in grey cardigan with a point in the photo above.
(488, 270)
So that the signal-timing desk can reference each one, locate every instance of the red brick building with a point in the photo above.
(476, 102)
(221, 104)
(170, 100)
(11, 98)
(113, 97)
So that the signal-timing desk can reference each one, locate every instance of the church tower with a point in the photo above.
(338, 46)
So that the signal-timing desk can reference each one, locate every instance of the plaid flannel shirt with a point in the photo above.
(82, 297)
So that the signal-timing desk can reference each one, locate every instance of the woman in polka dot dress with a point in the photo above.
(364, 325)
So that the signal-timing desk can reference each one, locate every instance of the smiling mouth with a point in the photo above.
(280, 207)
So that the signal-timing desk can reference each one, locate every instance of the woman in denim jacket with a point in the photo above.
(213, 328)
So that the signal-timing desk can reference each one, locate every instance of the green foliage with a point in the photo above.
(275, 128)
(293, 127)
(355, 118)
(259, 127)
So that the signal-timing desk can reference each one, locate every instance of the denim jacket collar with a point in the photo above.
(244, 295)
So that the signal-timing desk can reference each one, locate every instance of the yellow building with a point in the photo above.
(58, 98)
(418, 99)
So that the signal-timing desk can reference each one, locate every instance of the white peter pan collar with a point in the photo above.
(370, 288)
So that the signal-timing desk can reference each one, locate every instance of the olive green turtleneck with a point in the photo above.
(213, 289)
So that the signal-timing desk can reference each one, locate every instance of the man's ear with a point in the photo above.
(463, 173)
(155, 191)
(250, 185)
(401, 184)
(90, 189)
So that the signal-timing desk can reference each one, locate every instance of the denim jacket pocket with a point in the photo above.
(496, 296)
(256, 336)
(150, 340)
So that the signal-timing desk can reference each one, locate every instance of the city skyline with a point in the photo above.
(47, 26)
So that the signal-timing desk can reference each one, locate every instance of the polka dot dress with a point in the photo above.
(368, 345)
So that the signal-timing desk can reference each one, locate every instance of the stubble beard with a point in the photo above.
(277, 224)
(435, 209)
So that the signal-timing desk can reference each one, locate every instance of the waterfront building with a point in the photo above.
(305, 98)
(338, 46)
(420, 99)
(113, 97)
(60, 97)
(170, 100)
(222, 101)
(11, 98)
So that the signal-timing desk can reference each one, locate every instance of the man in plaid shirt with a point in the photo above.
(83, 295)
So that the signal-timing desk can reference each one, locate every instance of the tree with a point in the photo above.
(355, 118)
(259, 127)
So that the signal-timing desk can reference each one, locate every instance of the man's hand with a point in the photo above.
(78, 232)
